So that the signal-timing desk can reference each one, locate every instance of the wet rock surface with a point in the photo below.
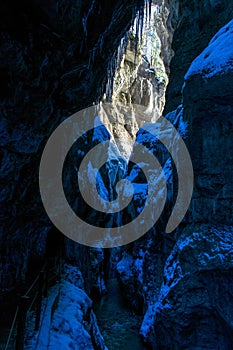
(119, 325)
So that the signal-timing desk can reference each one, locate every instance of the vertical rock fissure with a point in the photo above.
(141, 78)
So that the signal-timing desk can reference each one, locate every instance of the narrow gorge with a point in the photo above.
(140, 67)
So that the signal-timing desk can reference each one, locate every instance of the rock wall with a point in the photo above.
(195, 22)
(208, 109)
(141, 77)
(142, 262)
(73, 323)
(56, 65)
(183, 280)
(194, 306)
(54, 60)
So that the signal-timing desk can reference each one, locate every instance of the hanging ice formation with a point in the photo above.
(114, 63)
(85, 17)
(138, 19)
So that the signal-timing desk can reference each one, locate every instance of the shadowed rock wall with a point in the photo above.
(195, 22)
(54, 60)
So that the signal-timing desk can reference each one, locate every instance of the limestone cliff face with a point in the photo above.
(141, 78)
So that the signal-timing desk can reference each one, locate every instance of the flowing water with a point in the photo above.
(118, 324)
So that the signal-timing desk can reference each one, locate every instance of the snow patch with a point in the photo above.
(217, 58)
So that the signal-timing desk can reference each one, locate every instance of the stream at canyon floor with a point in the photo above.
(118, 324)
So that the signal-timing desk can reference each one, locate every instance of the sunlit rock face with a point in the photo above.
(195, 22)
(166, 17)
(141, 77)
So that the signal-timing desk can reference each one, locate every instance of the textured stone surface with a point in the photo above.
(140, 79)
(140, 270)
(55, 65)
(73, 323)
(195, 22)
(208, 109)
(186, 290)
(166, 17)
(194, 308)
(54, 60)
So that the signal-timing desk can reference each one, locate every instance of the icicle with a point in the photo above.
(147, 12)
(101, 42)
(143, 14)
(136, 37)
(150, 106)
(84, 23)
(92, 55)
(141, 88)
(126, 42)
(141, 21)
(149, 2)
(140, 15)
(111, 72)
(85, 17)
(122, 49)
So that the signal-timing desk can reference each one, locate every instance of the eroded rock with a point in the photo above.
(194, 308)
